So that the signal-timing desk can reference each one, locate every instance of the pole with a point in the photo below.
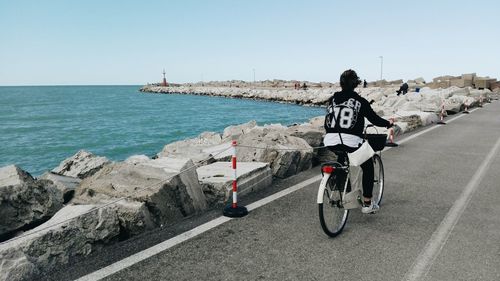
(253, 75)
(233, 210)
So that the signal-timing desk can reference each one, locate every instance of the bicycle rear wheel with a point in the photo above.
(332, 215)
(378, 180)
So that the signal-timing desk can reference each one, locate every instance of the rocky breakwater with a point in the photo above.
(384, 96)
(115, 201)
(316, 96)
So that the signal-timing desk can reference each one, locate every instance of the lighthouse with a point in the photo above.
(164, 82)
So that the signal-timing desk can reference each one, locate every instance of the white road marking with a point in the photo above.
(149, 252)
(424, 261)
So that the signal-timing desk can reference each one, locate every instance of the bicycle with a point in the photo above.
(335, 188)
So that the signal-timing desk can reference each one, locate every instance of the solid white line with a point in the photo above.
(424, 261)
(147, 253)
(142, 255)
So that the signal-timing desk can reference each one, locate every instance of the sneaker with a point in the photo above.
(370, 209)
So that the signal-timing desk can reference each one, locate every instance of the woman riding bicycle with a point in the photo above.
(344, 124)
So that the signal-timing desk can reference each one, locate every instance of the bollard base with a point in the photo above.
(391, 144)
(237, 212)
(465, 112)
(441, 123)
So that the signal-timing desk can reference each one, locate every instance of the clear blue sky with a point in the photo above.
(130, 42)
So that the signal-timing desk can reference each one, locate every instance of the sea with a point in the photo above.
(40, 126)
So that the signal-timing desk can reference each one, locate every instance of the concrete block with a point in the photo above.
(217, 178)
(461, 83)
(494, 85)
(482, 82)
(470, 76)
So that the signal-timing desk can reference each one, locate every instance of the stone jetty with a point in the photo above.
(89, 201)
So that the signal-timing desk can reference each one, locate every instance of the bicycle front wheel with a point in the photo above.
(332, 215)
(378, 179)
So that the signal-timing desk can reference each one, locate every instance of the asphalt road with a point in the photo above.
(425, 178)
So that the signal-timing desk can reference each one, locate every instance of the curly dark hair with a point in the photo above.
(349, 80)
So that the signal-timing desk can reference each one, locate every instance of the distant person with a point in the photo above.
(403, 89)
(364, 83)
(304, 86)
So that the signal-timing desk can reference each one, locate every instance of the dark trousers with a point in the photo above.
(367, 168)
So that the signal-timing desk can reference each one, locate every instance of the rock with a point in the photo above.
(412, 121)
(323, 155)
(13, 175)
(286, 154)
(318, 121)
(73, 231)
(186, 171)
(134, 217)
(81, 165)
(426, 118)
(217, 179)
(453, 105)
(312, 135)
(65, 184)
(168, 195)
(221, 152)
(237, 130)
(25, 201)
(193, 148)
(136, 159)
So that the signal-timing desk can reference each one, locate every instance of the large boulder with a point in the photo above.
(13, 175)
(426, 118)
(217, 179)
(311, 134)
(133, 216)
(193, 148)
(25, 201)
(65, 184)
(81, 165)
(168, 187)
(453, 105)
(237, 130)
(286, 154)
(76, 230)
(317, 121)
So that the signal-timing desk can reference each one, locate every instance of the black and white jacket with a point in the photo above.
(350, 110)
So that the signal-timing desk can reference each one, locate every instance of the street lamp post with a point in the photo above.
(381, 66)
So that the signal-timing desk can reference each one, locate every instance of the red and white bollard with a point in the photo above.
(441, 115)
(466, 110)
(390, 142)
(233, 210)
(480, 100)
